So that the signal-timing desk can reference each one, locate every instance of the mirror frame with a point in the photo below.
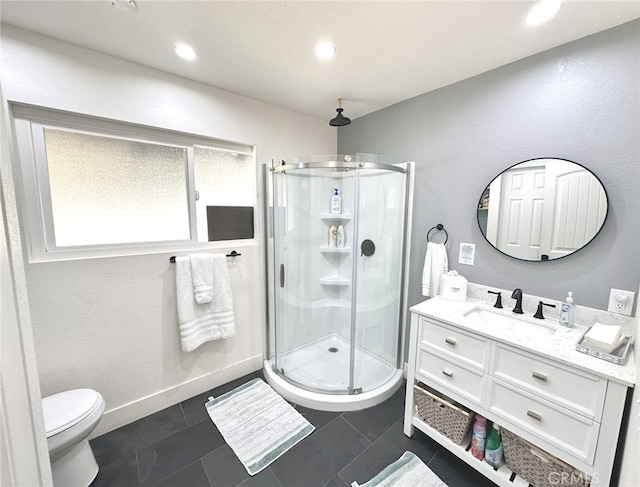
(484, 190)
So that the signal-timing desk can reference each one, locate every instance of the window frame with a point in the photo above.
(37, 214)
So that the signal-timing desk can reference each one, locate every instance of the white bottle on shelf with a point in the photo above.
(340, 237)
(336, 202)
(333, 236)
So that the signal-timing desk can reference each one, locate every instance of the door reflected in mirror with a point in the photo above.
(542, 209)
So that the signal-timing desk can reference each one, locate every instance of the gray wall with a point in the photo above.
(580, 102)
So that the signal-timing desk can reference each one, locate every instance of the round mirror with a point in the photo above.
(542, 209)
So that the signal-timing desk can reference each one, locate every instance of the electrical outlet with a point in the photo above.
(621, 302)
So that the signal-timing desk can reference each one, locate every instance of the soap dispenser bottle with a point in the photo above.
(567, 311)
(336, 202)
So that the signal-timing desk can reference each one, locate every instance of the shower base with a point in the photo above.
(323, 365)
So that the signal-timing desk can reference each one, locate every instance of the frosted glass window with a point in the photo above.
(95, 187)
(107, 190)
(223, 178)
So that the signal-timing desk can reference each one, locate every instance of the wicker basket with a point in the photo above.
(538, 467)
(442, 414)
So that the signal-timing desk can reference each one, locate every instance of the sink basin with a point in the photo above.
(503, 322)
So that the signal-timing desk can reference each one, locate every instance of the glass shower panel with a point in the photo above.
(381, 220)
(311, 281)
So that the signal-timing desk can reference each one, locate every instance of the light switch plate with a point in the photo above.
(621, 302)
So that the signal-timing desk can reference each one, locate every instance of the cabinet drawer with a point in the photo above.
(571, 388)
(567, 430)
(467, 348)
(466, 382)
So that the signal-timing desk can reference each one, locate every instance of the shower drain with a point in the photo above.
(333, 349)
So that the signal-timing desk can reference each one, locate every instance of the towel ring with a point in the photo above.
(439, 227)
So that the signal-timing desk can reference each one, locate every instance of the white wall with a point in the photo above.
(24, 456)
(111, 323)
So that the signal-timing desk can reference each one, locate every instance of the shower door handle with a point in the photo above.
(281, 275)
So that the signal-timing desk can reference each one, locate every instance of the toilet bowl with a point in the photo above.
(69, 418)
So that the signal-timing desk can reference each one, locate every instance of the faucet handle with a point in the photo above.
(539, 314)
(498, 299)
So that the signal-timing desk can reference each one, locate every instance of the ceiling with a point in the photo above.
(386, 51)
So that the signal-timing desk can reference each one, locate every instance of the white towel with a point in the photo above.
(435, 264)
(200, 323)
(202, 277)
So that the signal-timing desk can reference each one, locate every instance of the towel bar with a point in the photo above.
(233, 253)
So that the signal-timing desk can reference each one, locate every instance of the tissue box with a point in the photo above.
(453, 287)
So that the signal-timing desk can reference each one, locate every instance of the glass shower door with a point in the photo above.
(311, 295)
(378, 297)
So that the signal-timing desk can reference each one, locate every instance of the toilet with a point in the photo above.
(69, 418)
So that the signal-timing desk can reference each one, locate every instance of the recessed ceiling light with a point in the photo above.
(324, 50)
(185, 52)
(543, 11)
(129, 5)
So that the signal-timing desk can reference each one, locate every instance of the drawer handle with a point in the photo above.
(447, 372)
(534, 415)
(450, 341)
(539, 376)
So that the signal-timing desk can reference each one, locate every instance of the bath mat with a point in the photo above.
(407, 471)
(257, 424)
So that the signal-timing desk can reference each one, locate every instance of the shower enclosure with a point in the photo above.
(334, 339)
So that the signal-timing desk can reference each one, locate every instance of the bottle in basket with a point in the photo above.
(479, 437)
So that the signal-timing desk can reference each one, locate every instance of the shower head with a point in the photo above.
(340, 119)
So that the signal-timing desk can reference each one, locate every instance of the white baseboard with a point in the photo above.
(128, 413)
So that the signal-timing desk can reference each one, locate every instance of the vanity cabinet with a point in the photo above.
(572, 413)
(452, 359)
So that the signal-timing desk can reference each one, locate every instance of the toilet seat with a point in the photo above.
(64, 410)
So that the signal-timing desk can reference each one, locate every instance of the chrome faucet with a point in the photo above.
(517, 295)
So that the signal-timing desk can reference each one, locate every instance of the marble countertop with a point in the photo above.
(558, 345)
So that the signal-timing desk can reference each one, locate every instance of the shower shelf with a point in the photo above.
(335, 250)
(335, 281)
(336, 216)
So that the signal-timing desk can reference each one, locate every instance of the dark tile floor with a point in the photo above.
(180, 446)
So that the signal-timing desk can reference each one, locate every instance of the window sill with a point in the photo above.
(142, 250)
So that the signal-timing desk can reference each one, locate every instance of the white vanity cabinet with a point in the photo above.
(452, 359)
(572, 412)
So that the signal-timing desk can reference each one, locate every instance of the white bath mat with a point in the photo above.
(407, 471)
(257, 423)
